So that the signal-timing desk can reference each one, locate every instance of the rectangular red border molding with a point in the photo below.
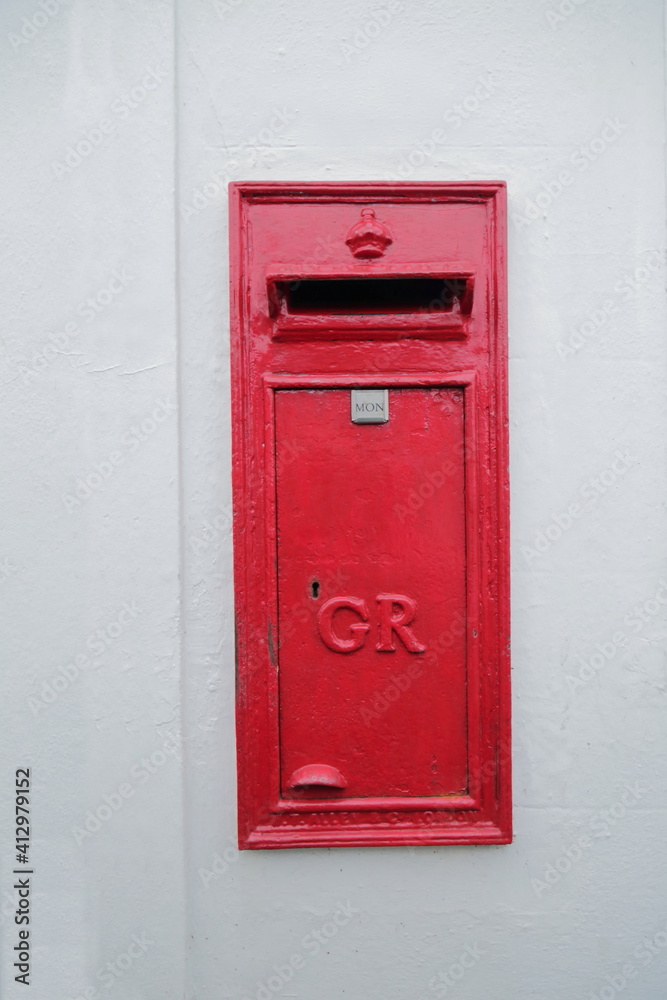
(476, 362)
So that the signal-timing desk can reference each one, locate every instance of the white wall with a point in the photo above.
(305, 90)
(71, 401)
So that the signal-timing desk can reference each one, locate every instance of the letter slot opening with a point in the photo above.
(372, 296)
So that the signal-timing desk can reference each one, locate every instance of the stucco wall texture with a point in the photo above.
(122, 124)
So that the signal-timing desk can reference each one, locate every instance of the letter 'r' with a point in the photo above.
(391, 620)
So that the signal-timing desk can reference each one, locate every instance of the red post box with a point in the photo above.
(371, 518)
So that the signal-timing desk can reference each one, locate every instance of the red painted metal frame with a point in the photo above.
(474, 360)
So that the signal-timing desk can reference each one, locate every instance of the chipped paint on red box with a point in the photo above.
(369, 354)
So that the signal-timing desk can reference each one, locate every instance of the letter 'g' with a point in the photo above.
(325, 624)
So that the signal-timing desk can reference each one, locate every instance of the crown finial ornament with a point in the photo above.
(368, 238)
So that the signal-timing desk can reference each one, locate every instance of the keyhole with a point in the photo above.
(314, 589)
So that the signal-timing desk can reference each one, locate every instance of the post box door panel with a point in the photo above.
(372, 593)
